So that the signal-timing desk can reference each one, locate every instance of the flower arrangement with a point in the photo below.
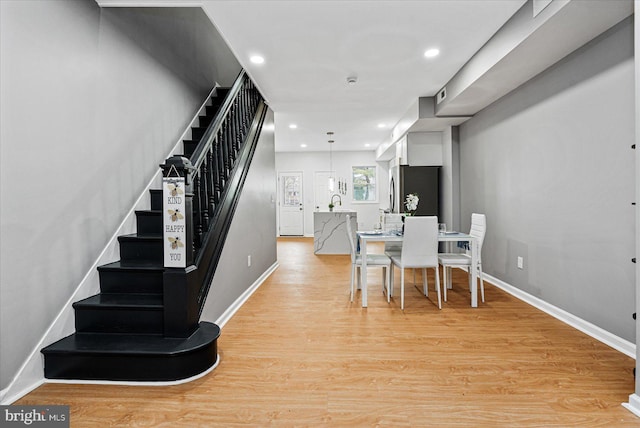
(411, 203)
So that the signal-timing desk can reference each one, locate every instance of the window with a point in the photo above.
(365, 183)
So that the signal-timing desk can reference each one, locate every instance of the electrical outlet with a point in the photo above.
(520, 263)
(249, 260)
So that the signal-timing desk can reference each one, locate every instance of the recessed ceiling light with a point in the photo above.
(293, 126)
(303, 145)
(433, 52)
(257, 59)
(367, 145)
(381, 125)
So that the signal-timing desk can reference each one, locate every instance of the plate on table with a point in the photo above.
(371, 232)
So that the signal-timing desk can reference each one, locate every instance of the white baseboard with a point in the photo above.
(7, 396)
(633, 405)
(237, 304)
(617, 343)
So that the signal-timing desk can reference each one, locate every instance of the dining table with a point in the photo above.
(365, 237)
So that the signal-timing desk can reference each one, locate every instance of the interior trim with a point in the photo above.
(237, 304)
(609, 339)
(633, 405)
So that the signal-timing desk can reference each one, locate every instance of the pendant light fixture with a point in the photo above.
(332, 180)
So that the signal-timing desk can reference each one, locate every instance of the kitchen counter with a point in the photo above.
(330, 231)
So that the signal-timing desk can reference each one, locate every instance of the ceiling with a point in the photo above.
(311, 47)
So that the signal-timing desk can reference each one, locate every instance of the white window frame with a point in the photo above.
(376, 184)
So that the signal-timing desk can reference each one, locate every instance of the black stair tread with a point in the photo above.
(152, 235)
(134, 344)
(149, 212)
(133, 265)
(122, 300)
(136, 237)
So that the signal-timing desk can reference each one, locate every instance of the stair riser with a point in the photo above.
(212, 109)
(117, 320)
(71, 365)
(188, 147)
(143, 250)
(156, 199)
(197, 133)
(149, 224)
(221, 93)
(138, 282)
(204, 121)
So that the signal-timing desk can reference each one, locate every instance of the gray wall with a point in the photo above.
(637, 141)
(450, 179)
(92, 102)
(252, 232)
(551, 166)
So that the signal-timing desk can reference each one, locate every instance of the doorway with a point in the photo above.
(321, 192)
(291, 204)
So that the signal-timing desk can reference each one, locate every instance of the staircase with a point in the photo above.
(122, 333)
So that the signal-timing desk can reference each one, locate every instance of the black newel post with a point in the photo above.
(183, 167)
(180, 285)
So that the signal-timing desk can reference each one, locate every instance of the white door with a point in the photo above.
(291, 204)
(322, 194)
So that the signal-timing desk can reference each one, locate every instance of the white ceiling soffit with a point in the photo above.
(149, 3)
(526, 46)
(420, 117)
(311, 47)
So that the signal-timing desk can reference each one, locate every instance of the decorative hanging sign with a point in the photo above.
(173, 221)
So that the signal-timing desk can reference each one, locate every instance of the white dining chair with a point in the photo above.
(374, 260)
(392, 248)
(419, 250)
(463, 260)
(392, 223)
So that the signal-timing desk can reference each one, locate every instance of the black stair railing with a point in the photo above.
(214, 176)
(215, 156)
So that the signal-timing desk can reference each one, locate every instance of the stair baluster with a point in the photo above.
(204, 194)
(211, 204)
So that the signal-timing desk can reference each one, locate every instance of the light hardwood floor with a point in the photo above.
(298, 353)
